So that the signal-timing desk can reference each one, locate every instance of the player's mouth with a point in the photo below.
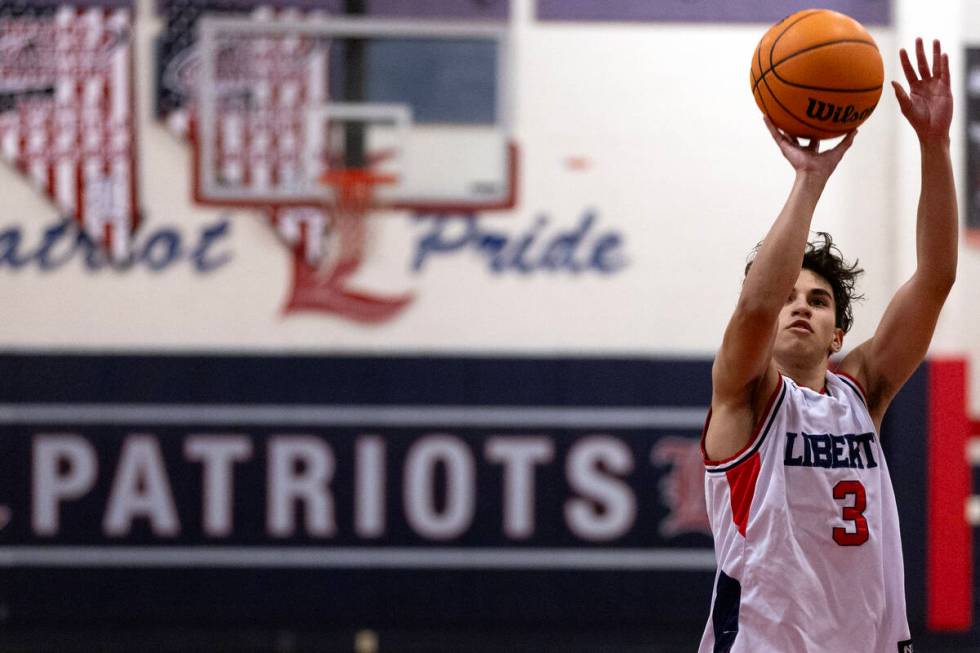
(801, 325)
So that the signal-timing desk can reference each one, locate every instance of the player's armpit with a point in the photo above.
(885, 362)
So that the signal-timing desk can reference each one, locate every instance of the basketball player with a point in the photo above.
(802, 509)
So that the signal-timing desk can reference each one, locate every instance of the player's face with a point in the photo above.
(807, 333)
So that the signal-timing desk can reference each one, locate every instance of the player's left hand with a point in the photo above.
(928, 105)
(808, 159)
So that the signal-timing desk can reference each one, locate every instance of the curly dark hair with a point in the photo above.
(822, 257)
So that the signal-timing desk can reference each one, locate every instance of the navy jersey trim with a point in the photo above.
(745, 455)
(724, 612)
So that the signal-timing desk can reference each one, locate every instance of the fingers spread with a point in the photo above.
(846, 141)
(920, 56)
(772, 128)
(901, 96)
(907, 66)
(937, 59)
(777, 135)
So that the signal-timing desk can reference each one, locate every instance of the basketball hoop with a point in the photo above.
(316, 289)
(352, 198)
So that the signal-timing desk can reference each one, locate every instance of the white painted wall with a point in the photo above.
(679, 162)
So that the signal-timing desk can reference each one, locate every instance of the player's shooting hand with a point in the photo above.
(808, 158)
(928, 105)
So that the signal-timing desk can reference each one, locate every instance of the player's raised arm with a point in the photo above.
(744, 374)
(902, 338)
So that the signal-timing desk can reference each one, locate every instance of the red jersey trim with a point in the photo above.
(757, 432)
(741, 489)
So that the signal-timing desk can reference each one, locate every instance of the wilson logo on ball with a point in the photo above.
(827, 112)
(817, 74)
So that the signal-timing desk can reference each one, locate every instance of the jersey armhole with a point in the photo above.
(855, 385)
(758, 433)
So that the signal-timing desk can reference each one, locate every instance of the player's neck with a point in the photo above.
(809, 376)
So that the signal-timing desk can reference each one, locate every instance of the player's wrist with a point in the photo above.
(938, 143)
(811, 180)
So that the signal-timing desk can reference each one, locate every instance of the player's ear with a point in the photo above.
(838, 342)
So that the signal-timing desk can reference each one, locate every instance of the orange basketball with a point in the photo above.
(817, 74)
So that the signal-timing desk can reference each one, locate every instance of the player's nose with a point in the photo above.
(801, 308)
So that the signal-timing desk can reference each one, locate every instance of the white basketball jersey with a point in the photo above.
(806, 532)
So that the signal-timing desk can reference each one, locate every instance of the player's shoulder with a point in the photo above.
(855, 368)
(847, 385)
(854, 365)
(734, 422)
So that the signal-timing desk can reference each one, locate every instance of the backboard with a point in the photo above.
(283, 101)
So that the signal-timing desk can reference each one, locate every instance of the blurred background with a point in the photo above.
(387, 325)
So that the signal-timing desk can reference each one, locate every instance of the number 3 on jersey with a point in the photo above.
(852, 513)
